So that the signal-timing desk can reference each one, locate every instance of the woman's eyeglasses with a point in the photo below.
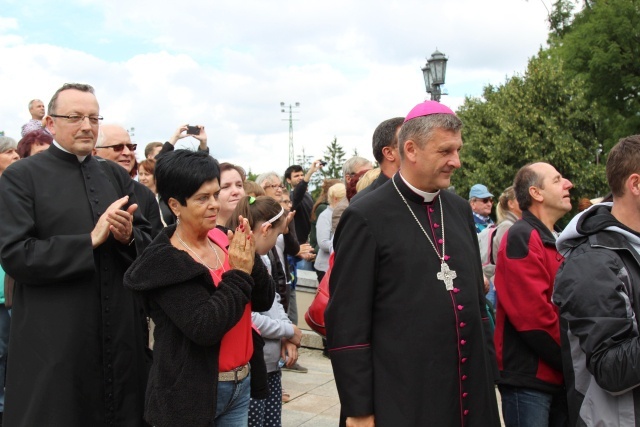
(275, 186)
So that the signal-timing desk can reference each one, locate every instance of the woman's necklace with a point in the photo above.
(445, 274)
(220, 264)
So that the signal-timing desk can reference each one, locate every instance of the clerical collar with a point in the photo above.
(428, 197)
(80, 158)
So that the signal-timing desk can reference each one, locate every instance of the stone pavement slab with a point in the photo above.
(314, 398)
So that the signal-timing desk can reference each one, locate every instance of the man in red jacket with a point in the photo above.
(527, 335)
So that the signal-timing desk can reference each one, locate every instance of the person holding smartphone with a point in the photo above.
(198, 132)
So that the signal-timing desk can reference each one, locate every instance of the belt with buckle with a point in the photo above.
(235, 375)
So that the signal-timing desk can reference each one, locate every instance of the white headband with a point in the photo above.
(275, 218)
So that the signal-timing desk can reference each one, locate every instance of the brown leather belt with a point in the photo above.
(235, 375)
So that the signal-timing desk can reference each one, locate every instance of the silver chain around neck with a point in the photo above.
(445, 274)
(220, 265)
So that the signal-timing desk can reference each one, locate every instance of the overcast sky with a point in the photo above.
(227, 65)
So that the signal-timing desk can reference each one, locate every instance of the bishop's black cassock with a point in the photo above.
(402, 346)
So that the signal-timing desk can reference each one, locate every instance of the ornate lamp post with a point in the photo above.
(434, 72)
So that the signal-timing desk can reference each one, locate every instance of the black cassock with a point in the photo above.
(402, 346)
(77, 355)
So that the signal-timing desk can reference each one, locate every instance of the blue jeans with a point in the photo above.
(304, 265)
(525, 407)
(491, 295)
(293, 270)
(232, 408)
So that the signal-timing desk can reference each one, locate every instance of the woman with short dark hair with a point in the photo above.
(199, 287)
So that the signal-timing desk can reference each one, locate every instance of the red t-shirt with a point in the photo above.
(236, 347)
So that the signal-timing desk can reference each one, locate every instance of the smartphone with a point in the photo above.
(193, 130)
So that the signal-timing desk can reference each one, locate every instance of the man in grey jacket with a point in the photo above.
(598, 292)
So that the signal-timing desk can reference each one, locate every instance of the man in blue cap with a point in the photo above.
(481, 202)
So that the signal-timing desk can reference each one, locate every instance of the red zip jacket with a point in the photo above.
(527, 334)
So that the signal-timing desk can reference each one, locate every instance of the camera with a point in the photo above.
(322, 163)
(193, 130)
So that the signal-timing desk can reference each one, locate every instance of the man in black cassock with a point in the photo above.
(385, 150)
(68, 232)
(408, 333)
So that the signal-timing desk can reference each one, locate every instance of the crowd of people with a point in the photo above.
(163, 291)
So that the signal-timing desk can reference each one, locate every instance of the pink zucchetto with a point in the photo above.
(427, 108)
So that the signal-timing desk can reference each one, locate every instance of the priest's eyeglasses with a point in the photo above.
(75, 119)
(119, 147)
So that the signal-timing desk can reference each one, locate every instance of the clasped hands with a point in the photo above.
(116, 221)
(242, 247)
(306, 252)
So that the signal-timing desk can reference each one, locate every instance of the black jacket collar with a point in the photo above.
(546, 235)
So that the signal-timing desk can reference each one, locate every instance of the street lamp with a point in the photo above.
(434, 72)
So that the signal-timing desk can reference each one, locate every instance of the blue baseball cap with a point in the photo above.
(479, 191)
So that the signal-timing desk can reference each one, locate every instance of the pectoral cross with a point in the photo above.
(447, 275)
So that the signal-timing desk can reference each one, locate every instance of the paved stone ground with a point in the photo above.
(314, 398)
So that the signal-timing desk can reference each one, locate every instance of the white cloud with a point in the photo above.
(8, 24)
(351, 64)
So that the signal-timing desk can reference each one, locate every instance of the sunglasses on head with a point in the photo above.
(119, 147)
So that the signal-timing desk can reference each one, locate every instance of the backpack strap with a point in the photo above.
(491, 238)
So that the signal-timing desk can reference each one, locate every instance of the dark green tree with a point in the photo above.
(334, 155)
(560, 18)
(540, 116)
(602, 47)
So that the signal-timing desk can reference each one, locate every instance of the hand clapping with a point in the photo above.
(115, 220)
(242, 247)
